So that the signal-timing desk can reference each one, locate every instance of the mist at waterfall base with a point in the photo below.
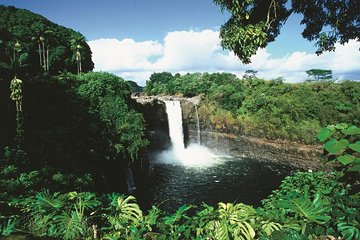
(194, 175)
(194, 155)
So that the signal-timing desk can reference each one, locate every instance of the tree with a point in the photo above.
(45, 42)
(255, 23)
(17, 59)
(319, 74)
(249, 74)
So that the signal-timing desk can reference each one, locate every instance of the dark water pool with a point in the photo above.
(243, 180)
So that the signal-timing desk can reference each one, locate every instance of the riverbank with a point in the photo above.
(306, 157)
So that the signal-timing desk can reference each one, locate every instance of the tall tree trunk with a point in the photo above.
(44, 57)
(40, 55)
(47, 59)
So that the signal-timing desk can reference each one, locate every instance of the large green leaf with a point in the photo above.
(346, 159)
(180, 213)
(69, 226)
(129, 210)
(353, 130)
(244, 231)
(49, 201)
(221, 230)
(355, 168)
(334, 146)
(355, 146)
(349, 231)
(312, 211)
(268, 227)
(325, 133)
(341, 126)
(287, 234)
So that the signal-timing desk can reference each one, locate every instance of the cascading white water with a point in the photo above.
(174, 114)
(197, 126)
(194, 155)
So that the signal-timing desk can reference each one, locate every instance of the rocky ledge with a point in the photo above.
(307, 157)
(281, 151)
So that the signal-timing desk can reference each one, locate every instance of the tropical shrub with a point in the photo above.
(342, 144)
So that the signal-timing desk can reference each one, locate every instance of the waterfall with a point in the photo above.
(197, 125)
(129, 180)
(194, 155)
(173, 110)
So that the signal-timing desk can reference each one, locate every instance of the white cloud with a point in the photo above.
(190, 50)
(114, 55)
(200, 51)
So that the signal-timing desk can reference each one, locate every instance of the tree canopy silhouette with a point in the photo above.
(255, 23)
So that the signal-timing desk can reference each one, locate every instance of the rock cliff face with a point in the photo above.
(281, 151)
(156, 122)
(154, 112)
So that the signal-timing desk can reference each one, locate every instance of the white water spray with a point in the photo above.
(194, 155)
(174, 114)
(197, 125)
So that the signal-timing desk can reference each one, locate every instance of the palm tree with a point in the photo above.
(75, 45)
(43, 46)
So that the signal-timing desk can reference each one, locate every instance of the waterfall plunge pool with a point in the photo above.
(194, 175)
(231, 179)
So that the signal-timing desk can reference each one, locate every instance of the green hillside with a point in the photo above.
(34, 32)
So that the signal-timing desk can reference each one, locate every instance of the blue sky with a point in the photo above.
(133, 38)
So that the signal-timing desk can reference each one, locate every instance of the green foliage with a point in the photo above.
(8, 227)
(306, 206)
(319, 74)
(288, 234)
(256, 107)
(310, 211)
(109, 99)
(255, 23)
(312, 204)
(41, 41)
(234, 222)
(348, 231)
(342, 144)
(64, 216)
